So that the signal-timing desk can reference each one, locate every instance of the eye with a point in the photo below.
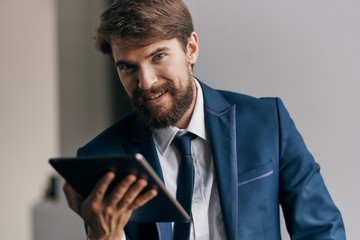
(159, 56)
(127, 67)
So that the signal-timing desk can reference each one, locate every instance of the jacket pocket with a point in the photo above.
(255, 174)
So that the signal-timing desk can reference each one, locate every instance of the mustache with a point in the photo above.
(140, 93)
(144, 93)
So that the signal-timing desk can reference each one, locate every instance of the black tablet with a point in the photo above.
(83, 173)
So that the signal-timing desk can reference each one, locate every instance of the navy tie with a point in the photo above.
(185, 183)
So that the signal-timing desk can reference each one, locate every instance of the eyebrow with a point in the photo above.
(120, 63)
(153, 53)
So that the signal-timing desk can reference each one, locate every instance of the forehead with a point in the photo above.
(123, 50)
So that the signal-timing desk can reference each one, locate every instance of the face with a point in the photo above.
(158, 79)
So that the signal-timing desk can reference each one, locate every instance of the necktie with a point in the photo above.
(185, 183)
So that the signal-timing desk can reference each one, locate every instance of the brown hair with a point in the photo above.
(141, 22)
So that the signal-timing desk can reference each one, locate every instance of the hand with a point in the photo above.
(107, 214)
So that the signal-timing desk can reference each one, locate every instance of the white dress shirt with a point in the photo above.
(206, 221)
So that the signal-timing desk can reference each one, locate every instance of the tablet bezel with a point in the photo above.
(82, 174)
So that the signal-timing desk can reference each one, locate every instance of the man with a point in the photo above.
(247, 154)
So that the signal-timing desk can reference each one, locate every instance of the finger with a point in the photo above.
(120, 189)
(98, 192)
(142, 199)
(132, 193)
(73, 198)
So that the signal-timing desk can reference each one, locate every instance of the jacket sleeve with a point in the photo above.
(308, 208)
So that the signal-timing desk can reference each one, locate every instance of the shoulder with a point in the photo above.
(246, 106)
(214, 96)
(251, 105)
(111, 140)
(245, 99)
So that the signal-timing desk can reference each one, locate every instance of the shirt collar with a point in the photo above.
(163, 137)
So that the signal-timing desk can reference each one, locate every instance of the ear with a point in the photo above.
(192, 48)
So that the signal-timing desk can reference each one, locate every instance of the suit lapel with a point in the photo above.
(221, 127)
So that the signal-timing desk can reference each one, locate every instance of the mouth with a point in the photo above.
(156, 96)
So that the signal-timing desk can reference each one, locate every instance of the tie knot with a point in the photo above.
(183, 142)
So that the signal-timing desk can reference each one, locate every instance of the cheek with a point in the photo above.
(128, 84)
(176, 71)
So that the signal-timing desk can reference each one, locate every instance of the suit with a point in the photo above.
(260, 161)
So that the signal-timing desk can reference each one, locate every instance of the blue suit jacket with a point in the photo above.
(260, 162)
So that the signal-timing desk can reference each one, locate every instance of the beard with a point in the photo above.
(155, 116)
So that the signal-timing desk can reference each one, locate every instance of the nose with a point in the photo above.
(147, 78)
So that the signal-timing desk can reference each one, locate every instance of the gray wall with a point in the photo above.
(307, 53)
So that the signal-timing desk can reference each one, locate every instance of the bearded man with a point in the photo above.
(247, 156)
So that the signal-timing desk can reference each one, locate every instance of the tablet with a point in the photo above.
(83, 173)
